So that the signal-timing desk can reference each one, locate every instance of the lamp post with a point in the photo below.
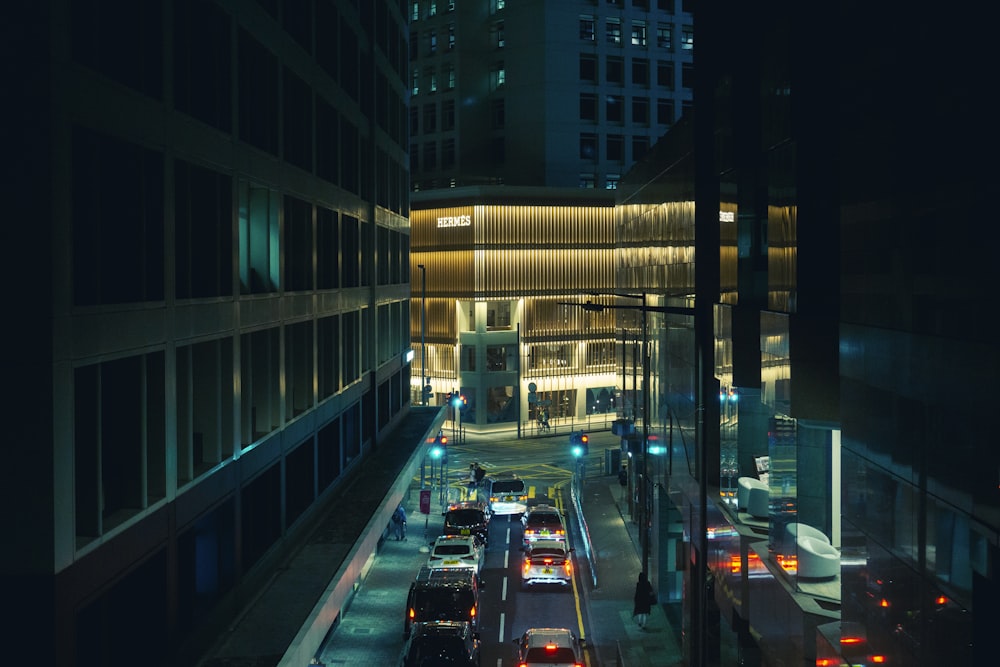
(644, 499)
(424, 380)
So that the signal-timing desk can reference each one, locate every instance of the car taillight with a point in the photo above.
(568, 567)
(527, 565)
(878, 659)
(560, 532)
(547, 561)
(472, 612)
(413, 613)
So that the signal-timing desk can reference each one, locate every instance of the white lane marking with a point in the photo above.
(503, 590)
(501, 630)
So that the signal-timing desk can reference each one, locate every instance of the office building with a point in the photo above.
(523, 117)
(208, 315)
(838, 503)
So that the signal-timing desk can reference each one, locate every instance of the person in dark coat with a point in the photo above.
(642, 601)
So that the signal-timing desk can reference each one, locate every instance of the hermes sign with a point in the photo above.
(455, 221)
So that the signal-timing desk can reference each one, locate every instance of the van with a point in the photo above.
(442, 594)
(505, 495)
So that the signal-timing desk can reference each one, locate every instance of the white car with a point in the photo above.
(456, 551)
(547, 562)
(551, 647)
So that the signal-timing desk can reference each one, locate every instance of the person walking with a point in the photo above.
(399, 523)
(643, 600)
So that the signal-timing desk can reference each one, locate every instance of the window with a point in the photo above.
(432, 42)
(640, 146)
(638, 33)
(663, 34)
(640, 72)
(615, 70)
(414, 11)
(414, 46)
(665, 5)
(587, 28)
(587, 181)
(498, 315)
(498, 34)
(432, 84)
(616, 148)
(640, 110)
(611, 181)
(432, 10)
(449, 75)
(588, 68)
(664, 111)
(451, 5)
(614, 108)
(665, 73)
(451, 36)
(641, 4)
(496, 357)
(588, 106)
(497, 5)
(687, 75)
(588, 146)
(498, 75)
(415, 82)
(497, 114)
(414, 120)
(447, 153)
(687, 37)
(430, 155)
(448, 115)
(430, 117)
(614, 31)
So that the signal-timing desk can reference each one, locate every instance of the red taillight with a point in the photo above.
(527, 565)
(878, 659)
(551, 648)
(413, 613)
(472, 612)
(547, 561)
(568, 568)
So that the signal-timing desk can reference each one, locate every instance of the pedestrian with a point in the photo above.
(480, 473)
(472, 473)
(399, 523)
(643, 600)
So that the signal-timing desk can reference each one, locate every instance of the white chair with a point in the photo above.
(758, 502)
(743, 486)
(796, 530)
(817, 558)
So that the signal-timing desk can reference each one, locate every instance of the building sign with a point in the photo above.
(455, 221)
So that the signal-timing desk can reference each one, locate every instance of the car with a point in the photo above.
(462, 551)
(467, 518)
(548, 647)
(505, 495)
(543, 522)
(547, 562)
(450, 594)
(451, 643)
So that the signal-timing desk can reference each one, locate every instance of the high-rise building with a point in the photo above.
(838, 503)
(208, 302)
(523, 118)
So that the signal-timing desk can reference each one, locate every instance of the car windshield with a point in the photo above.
(508, 486)
(437, 647)
(542, 654)
(465, 517)
(545, 551)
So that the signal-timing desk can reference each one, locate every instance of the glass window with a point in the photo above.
(611, 183)
(640, 146)
(587, 181)
(498, 315)
(498, 113)
(432, 10)
(449, 75)
(588, 146)
(588, 106)
(498, 34)
(663, 34)
(468, 357)
(664, 111)
(432, 42)
(638, 33)
(615, 70)
(414, 82)
(616, 148)
(500, 406)
(430, 155)
(588, 68)
(432, 83)
(430, 117)
(640, 71)
(687, 75)
(496, 357)
(614, 108)
(414, 11)
(614, 31)
(448, 115)
(640, 110)
(447, 153)
(451, 36)
(414, 120)
(497, 75)
(687, 37)
(587, 28)
(665, 73)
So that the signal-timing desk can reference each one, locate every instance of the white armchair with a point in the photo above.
(744, 485)
(796, 530)
(817, 558)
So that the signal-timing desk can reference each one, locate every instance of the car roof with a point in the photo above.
(445, 576)
(542, 636)
(468, 505)
(441, 539)
(437, 628)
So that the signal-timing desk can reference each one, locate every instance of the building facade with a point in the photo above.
(838, 502)
(556, 94)
(213, 204)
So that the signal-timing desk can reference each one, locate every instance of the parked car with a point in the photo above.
(449, 643)
(548, 647)
(463, 551)
(543, 522)
(467, 518)
(547, 562)
(442, 595)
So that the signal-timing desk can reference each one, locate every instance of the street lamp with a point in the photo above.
(425, 381)
(644, 500)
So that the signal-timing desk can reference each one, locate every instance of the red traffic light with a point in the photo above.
(444, 440)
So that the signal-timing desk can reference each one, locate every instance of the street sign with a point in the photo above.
(425, 501)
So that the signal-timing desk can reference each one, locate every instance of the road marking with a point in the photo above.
(501, 629)
(503, 590)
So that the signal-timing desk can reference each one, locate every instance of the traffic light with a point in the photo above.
(439, 449)
(456, 400)
(428, 391)
(579, 443)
